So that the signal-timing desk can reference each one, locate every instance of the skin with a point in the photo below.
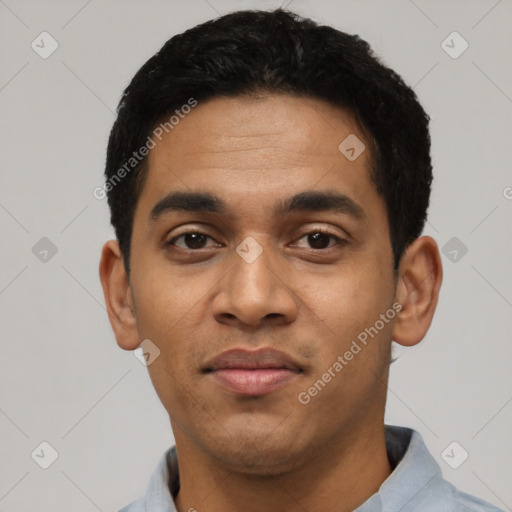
(269, 452)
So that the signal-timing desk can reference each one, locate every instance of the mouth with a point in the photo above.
(253, 373)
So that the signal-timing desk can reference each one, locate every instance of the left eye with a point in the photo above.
(319, 239)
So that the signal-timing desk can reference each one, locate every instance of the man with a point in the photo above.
(268, 180)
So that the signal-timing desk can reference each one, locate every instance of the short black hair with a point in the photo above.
(276, 51)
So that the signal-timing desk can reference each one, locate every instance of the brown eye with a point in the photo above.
(319, 240)
(193, 240)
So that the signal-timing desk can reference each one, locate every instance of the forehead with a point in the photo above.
(252, 148)
(265, 126)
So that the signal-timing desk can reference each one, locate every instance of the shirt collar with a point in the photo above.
(413, 466)
(414, 469)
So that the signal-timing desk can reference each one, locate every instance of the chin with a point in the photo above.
(257, 454)
(257, 463)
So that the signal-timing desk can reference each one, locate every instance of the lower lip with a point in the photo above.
(253, 382)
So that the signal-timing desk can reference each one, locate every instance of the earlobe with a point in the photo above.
(419, 282)
(118, 296)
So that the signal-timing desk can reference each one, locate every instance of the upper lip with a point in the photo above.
(252, 360)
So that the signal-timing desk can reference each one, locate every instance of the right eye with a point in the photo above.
(193, 241)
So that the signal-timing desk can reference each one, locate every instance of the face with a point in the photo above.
(254, 269)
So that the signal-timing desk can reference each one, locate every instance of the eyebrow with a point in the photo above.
(309, 200)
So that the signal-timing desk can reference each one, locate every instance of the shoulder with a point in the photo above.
(136, 506)
(417, 483)
(163, 480)
(442, 496)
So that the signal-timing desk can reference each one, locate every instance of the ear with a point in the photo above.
(118, 296)
(419, 279)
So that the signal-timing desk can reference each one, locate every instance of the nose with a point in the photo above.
(255, 292)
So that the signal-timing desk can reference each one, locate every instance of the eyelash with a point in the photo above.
(339, 241)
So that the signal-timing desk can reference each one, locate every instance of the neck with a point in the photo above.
(341, 476)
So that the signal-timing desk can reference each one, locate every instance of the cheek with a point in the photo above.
(159, 307)
(173, 312)
(351, 297)
(164, 308)
(345, 317)
(167, 315)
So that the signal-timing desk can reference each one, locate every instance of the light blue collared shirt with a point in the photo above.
(415, 485)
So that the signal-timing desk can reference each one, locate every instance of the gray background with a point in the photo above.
(64, 380)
